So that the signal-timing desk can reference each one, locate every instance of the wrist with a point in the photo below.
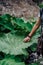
(29, 35)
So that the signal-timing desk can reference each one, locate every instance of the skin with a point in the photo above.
(36, 26)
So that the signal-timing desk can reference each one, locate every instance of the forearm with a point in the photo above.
(36, 26)
(33, 30)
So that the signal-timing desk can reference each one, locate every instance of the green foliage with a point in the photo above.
(41, 5)
(10, 60)
(12, 42)
(5, 22)
(12, 23)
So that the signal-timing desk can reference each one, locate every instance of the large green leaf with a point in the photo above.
(11, 61)
(6, 23)
(20, 24)
(12, 43)
(12, 23)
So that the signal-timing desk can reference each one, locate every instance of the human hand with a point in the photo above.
(27, 39)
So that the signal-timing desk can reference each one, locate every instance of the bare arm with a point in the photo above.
(36, 26)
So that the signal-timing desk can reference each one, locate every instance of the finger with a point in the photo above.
(26, 40)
